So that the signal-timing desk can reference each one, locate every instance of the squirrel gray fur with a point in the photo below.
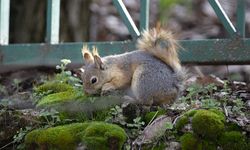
(150, 75)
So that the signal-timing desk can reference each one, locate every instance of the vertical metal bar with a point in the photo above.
(223, 17)
(53, 21)
(241, 4)
(133, 30)
(144, 14)
(4, 21)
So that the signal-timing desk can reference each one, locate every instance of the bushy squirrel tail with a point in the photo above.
(162, 44)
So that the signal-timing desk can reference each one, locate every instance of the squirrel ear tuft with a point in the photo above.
(87, 56)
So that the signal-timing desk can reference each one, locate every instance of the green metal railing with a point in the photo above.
(233, 50)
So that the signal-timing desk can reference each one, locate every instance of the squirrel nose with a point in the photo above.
(86, 93)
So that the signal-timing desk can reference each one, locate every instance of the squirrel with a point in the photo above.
(150, 75)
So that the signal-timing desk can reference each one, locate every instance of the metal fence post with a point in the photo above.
(53, 21)
(4, 21)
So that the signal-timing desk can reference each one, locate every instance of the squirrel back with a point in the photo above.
(162, 44)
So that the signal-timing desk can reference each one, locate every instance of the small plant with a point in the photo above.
(51, 117)
(19, 137)
(133, 129)
(66, 76)
(16, 84)
(3, 90)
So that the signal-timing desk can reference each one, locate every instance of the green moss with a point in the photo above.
(207, 145)
(104, 136)
(190, 142)
(54, 87)
(149, 116)
(60, 137)
(207, 124)
(95, 135)
(219, 113)
(182, 122)
(233, 140)
(191, 113)
(230, 126)
(57, 97)
(57, 92)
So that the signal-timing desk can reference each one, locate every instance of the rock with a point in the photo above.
(173, 146)
(153, 131)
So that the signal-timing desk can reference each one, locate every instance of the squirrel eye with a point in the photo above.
(93, 80)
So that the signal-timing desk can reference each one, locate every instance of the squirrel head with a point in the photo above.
(94, 73)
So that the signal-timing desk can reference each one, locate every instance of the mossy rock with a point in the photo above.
(104, 136)
(184, 120)
(208, 145)
(60, 137)
(231, 126)
(191, 113)
(57, 93)
(94, 135)
(207, 124)
(53, 87)
(190, 141)
(57, 98)
(219, 113)
(233, 140)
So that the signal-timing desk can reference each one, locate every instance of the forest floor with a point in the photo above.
(20, 112)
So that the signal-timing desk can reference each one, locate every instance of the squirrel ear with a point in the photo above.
(98, 61)
(87, 56)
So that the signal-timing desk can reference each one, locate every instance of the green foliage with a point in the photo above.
(93, 134)
(133, 129)
(3, 90)
(233, 140)
(66, 76)
(198, 96)
(19, 137)
(50, 117)
(208, 125)
(16, 84)
(63, 87)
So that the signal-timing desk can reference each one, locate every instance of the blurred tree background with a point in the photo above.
(98, 20)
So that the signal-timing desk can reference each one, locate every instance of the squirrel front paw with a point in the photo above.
(107, 89)
(107, 92)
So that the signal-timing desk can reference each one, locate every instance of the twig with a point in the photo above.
(7, 145)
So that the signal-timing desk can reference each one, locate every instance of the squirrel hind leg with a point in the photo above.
(154, 85)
